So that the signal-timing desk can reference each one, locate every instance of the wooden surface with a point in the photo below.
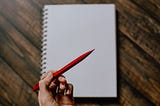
(138, 51)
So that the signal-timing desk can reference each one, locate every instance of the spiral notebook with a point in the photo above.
(69, 31)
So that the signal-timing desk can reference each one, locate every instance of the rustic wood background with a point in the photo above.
(138, 50)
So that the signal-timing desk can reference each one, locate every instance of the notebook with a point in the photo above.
(71, 30)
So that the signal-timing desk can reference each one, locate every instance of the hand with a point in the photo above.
(55, 92)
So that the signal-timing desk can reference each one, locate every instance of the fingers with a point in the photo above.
(67, 97)
(53, 85)
(63, 87)
(58, 85)
(44, 93)
(66, 89)
(55, 82)
(69, 90)
(45, 74)
(62, 84)
(46, 81)
(62, 79)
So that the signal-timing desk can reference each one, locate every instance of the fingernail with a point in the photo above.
(62, 86)
(49, 74)
(63, 78)
(68, 92)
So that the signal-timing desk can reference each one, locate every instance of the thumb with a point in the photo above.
(46, 81)
(44, 94)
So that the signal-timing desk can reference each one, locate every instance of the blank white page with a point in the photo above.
(75, 29)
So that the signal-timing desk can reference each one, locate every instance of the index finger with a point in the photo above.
(45, 74)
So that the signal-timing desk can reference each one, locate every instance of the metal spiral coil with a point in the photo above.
(44, 40)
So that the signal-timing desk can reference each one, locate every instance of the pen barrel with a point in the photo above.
(72, 63)
(36, 87)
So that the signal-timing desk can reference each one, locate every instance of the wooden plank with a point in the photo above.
(151, 7)
(18, 43)
(14, 89)
(18, 58)
(4, 102)
(24, 17)
(139, 27)
(129, 96)
(141, 71)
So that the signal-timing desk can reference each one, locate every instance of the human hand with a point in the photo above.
(55, 92)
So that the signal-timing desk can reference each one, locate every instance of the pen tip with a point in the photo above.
(92, 50)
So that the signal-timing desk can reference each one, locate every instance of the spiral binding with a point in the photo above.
(44, 40)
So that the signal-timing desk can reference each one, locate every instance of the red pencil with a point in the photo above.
(66, 67)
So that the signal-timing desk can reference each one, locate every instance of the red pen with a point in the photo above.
(66, 67)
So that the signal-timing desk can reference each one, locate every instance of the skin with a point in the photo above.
(55, 91)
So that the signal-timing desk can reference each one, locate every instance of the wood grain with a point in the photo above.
(140, 28)
(14, 89)
(138, 51)
(140, 71)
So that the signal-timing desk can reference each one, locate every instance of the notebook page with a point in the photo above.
(75, 29)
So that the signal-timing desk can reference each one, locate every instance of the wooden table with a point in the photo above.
(138, 51)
